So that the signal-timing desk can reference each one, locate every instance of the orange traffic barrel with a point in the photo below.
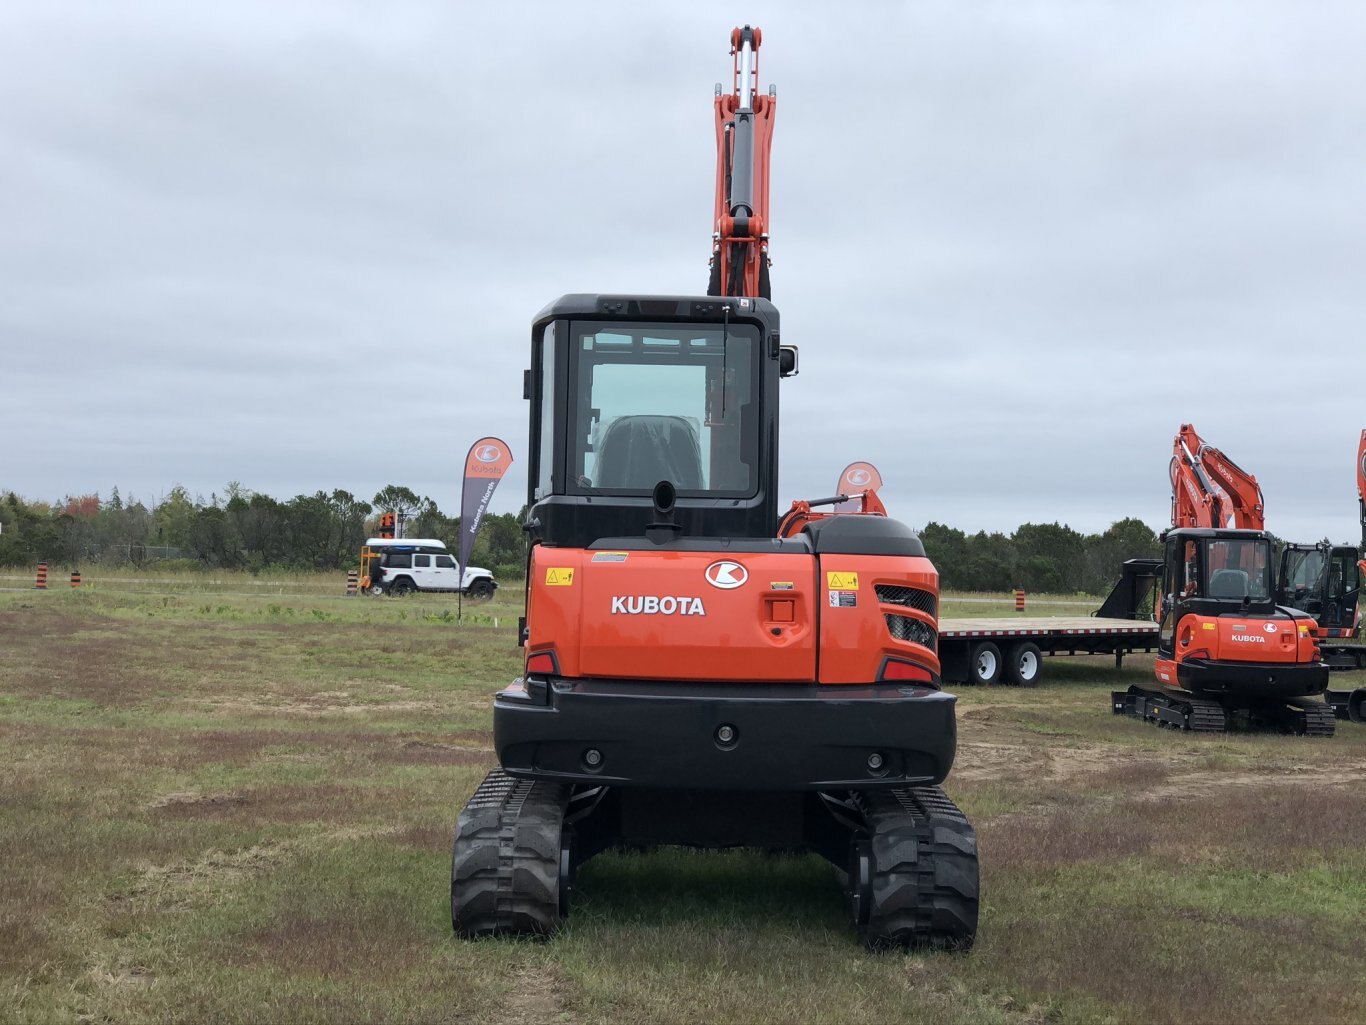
(1019, 599)
(41, 582)
(75, 578)
(352, 582)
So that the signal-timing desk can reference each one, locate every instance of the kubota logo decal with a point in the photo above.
(488, 453)
(655, 605)
(726, 575)
(1250, 638)
(1270, 628)
(858, 477)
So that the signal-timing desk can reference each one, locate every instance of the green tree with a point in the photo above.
(174, 517)
(214, 539)
(947, 549)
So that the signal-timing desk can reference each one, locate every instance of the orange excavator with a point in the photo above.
(1228, 653)
(696, 673)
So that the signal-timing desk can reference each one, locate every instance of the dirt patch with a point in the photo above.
(1088, 766)
(374, 943)
(425, 838)
(536, 997)
(1196, 784)
(282, 802)
(129, 977)
(418, 752)
(191, 798)
(313, 706)
(190, 883)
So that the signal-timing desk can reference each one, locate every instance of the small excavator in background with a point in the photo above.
(697, 674)
(1228, 653)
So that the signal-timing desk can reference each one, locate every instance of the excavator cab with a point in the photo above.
(1213, 573)
(1223, 641)
(628, 392)
(1323, 580)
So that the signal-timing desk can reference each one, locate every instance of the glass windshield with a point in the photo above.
(1304, 569)
(1238, 569)
(664, 402)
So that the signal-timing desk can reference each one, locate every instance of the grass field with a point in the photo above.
(237, 807)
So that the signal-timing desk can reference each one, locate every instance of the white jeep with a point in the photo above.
(410, 564)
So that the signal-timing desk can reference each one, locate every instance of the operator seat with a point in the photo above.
(638, 452)
(1228, 583)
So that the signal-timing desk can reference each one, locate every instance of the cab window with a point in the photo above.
(664, 402)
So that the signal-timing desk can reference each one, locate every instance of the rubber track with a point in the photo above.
(505, 865)
(1312, 718)
(925, 884)
(1199, 715)
(1302, 716)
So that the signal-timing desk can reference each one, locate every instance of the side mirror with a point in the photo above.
(787, 361)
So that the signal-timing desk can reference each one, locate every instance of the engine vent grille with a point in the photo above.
(911, 597)
(904, 628)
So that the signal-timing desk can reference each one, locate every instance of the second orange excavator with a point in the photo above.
(1228, 653)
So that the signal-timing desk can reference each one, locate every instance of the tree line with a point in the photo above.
(240, 530)
(1044, 558)
(243, 529)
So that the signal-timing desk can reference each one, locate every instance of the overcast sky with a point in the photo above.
(298, 246)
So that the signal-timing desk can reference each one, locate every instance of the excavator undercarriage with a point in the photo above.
(1181, 710)
(906, 857)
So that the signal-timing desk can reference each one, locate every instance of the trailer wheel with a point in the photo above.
(1024, 664)
(985, 663)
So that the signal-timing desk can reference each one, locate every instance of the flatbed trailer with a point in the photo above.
(1011, 650)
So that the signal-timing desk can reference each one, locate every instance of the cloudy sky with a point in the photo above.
(298, 245)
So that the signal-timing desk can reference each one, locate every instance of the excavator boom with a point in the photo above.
(744, 137)
(1209, 489)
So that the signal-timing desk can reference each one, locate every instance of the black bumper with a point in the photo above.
(1253, 679)
(671, 736)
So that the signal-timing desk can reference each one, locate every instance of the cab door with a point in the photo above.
(1342, 590)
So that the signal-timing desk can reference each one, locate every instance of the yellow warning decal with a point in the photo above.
(1207, 626)
(559, 576)
(841, 581)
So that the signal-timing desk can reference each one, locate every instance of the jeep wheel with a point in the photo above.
(402, 588)
(481, 589)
